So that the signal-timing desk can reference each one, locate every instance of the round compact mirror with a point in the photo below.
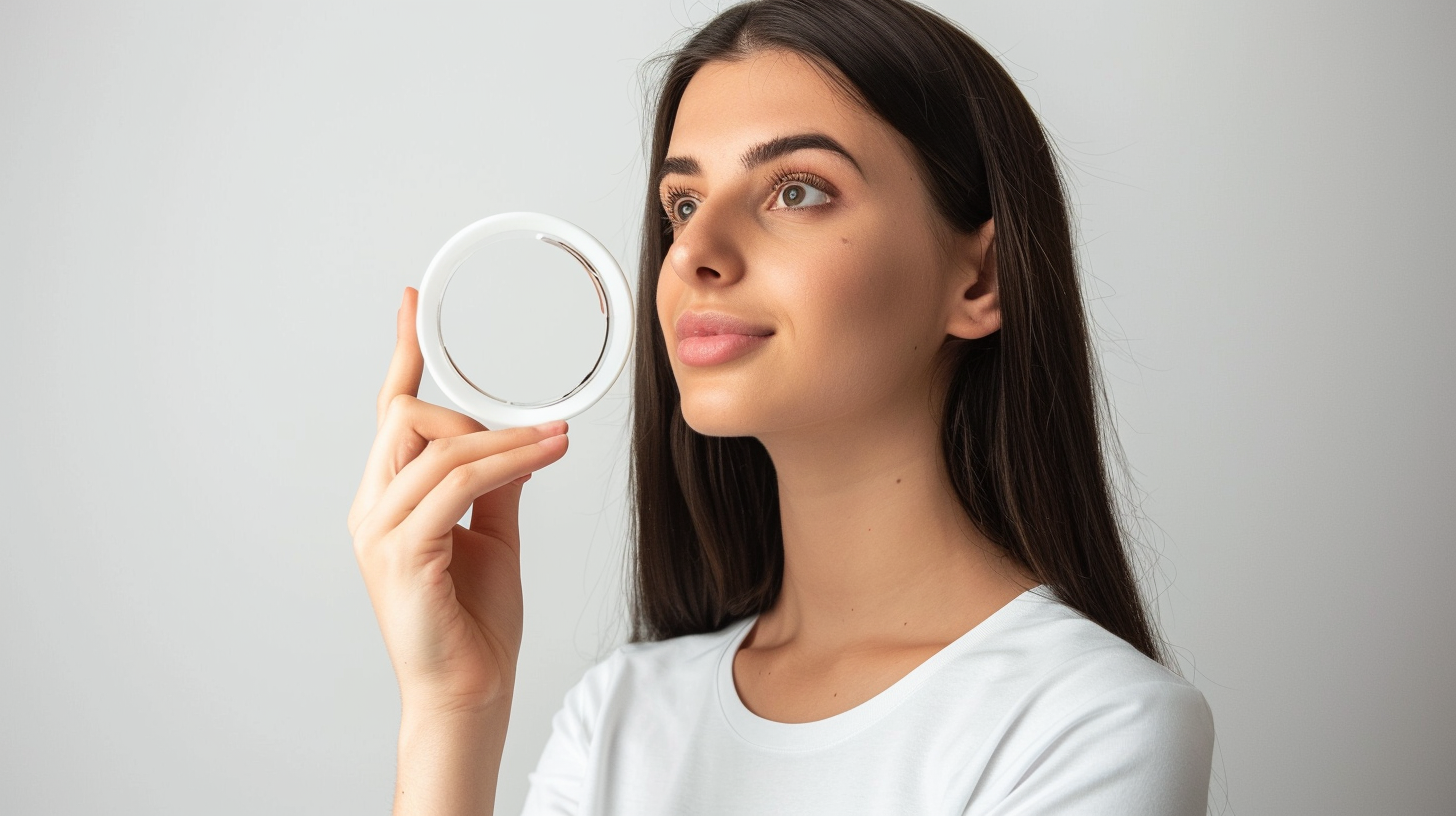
(508, 365)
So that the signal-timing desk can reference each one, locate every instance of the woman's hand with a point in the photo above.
(448, 599)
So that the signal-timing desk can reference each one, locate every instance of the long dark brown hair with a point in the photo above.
(1022, 420)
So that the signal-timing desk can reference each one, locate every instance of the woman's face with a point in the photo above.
(833, 262)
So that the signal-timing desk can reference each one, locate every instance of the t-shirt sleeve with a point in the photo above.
(557, 785)
(1139, 750)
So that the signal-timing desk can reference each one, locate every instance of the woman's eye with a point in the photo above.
(795, 194)
(799, 193)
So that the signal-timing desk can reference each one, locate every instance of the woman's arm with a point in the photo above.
(449, 762)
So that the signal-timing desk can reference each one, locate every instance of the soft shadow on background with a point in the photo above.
(207, 215)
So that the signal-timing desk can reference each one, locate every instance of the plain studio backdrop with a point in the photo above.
(208, 213)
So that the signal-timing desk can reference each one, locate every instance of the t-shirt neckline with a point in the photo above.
(773, 734)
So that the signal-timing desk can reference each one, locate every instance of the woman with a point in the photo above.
(878, 568)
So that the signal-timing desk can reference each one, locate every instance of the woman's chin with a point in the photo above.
(722, 414)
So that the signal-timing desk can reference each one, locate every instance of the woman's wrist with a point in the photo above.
(449, 758)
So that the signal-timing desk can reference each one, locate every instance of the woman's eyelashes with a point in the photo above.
(795, 190)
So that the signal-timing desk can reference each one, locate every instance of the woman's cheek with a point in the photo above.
(667, 298)
(871, 312)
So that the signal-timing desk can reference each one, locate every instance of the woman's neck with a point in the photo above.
(877, 549)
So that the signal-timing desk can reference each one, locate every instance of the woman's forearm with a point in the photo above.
(449, 762)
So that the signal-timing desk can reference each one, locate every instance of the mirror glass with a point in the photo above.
(523, 321)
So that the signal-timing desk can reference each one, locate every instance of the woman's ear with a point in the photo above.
(974, 308)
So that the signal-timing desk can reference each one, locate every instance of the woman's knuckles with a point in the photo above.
(461, 478)
(400, 406)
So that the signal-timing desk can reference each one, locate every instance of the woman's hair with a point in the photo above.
(1020, 426)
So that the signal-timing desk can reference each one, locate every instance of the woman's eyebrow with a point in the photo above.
(760, 153)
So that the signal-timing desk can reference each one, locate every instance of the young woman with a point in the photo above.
(878, 568)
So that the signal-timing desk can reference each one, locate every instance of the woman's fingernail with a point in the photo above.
(555, 426)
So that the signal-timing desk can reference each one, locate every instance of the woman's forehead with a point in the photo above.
(731, 106)
(772, 90)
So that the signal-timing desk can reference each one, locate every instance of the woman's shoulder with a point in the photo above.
(1054, 635)
(1080, 719)
(1063, 665)
(670, 663)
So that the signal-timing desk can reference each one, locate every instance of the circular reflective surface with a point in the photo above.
(522, 321)
(518, 339)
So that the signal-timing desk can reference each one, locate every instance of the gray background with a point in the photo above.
(208, 212)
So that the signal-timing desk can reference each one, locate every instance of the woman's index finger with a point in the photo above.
(407, 365)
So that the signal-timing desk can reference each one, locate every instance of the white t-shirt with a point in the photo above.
(1035, 711)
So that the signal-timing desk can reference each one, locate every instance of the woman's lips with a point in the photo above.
(712, 349)
(710, 337)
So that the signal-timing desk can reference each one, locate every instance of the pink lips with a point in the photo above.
(709, 338)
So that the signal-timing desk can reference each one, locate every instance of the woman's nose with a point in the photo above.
(706, 251)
